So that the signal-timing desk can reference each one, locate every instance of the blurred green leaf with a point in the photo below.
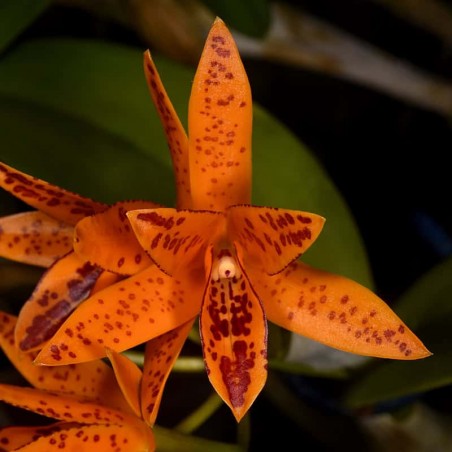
(108, 142)
(170, 440)
(429, 300)
(426, 307)
(78, 155)
(16, 16)
(287, 175)
(251, 17)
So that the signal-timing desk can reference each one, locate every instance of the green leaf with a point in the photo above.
(102, 88)
(170, 440)
(427, 307)
(16, 16)
(251, 17)
(77, 155)
(287, 175)
(430, 299)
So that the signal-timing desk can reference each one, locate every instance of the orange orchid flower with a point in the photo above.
(217, 257)
(95, 405)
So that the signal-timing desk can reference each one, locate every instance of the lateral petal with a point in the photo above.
(94, 380)
(128, 375)
(12, 438)
(337, 312)
(62, 407)
(234, 338)
(61, 289)
(34, 238)
(87, 438)
(50, 199)
(272, 238)
(175, 134)
(124, 315)
(220, 121)
(174, 238)
(107, 240)
(160, 355)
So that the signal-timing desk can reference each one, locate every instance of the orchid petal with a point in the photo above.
(174, 238)
(105, 279)
(124, 315)
(62, 407)
(50, 199)
(34, 238)
(234, 337)
(61, 289)
(220, 121)
(337, 312)
(12, 438)
(107, 240)
(271, 237)
(160, 355)
(93, 380)
(128, 375)
(86, 438)
(175, 134)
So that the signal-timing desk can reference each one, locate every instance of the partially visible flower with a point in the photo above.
(217, 256)
(96, 406)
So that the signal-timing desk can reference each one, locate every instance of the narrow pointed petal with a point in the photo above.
(34, 238)
(128, 375)
(61, 289)
(220, 121)
(160, 355)
(107, 240)
(124, 315)
(175, 134)
(89, 438)
(272, 238)
(12, 438)
(234, 338)
(61, 407)
(174, 238)
(94, 380)
(50, 199)
(337, 312)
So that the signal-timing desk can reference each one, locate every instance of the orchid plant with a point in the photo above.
(136, 271)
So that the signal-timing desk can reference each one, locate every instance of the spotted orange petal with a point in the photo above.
(128, 375)
(271, 237)
(105, 279)
(160, 356)
(34, 238)
(174, 238)
(174, 131)
(124, 315)
(220, 121)
(94, 380)
(50, 199)
(61, 289)
(62, 407)
(107, 240)
(234, 338)
(12, 438)
(88, 438)
(337, 312)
